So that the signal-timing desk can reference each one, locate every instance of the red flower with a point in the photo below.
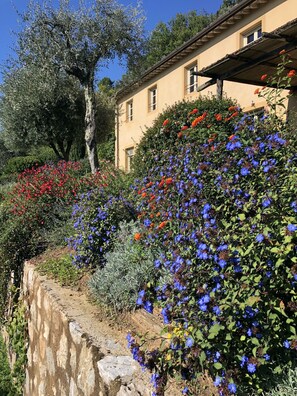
(180, 135)
(166, 122)
(137, 236)
(185, 127)
(218, 117)
(232, 108)
(263, 78)
(231, 137)
(291, 73)
(257, 91)
(169, 180)
(282, 52)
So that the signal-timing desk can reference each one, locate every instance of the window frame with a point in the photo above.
(152, 98)
(129, 154)
(256, 31)
(129, 110)
(191, 81)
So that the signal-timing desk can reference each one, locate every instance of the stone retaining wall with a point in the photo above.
(68, 355)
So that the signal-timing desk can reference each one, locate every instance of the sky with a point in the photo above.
(155, 11)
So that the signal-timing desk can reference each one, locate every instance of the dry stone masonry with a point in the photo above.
(67, 354)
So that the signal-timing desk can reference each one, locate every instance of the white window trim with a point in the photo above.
(256, 31)
(152, 98)
(130, 110)
(129, 154)
(191, 80)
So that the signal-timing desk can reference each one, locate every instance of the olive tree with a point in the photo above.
(40, 107)
(79, 41)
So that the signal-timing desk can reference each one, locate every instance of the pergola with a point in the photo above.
(248, 64)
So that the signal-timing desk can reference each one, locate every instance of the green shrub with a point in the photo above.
(172, 128)
(19, 164)
(127, 269)
(18, 341)
(44, 154)
(6, 386)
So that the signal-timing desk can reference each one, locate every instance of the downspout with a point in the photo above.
(117, 142)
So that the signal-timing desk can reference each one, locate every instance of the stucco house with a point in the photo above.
(226, 58)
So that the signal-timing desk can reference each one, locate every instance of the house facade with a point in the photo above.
(226, 58)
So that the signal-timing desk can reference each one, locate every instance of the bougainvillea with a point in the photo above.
(224, 214)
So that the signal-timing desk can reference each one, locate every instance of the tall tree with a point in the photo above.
(78, 42)
(41, 107)
(226, 5)
(165, 38)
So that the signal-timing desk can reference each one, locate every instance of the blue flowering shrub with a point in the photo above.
(223, 214)
(96, 217)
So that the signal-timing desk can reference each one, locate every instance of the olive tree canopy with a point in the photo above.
(79, 41)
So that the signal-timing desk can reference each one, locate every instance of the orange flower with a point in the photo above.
(194, 111)
(180, 135)
(282, 52)
(263, 78)
(218, 117)
(231, 137)
(162, 225)
(161, 183)
(149, 184)
(199, 119)
(166, 122)
(184, 128)
(232, 108)
(137, 236)
(257, 91)
(169, 180)
(143, 194)
(291, 73)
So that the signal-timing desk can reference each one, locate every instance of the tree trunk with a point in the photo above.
(90, 127)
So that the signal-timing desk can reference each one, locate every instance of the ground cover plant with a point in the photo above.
(223, 214)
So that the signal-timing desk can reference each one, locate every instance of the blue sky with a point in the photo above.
(155, 11)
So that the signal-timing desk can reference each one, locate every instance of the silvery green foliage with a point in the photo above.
(287, 387)
(128, 267)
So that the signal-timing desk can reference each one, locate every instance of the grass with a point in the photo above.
(62, 270)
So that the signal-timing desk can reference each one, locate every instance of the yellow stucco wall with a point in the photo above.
(171, 83)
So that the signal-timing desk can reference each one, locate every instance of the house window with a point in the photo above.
(252, 35)
(129, 154)
(152, 98)
(130, 110)
(191, 79)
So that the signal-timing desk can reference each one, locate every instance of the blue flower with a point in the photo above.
(266, 202)
(189, 342)
(148, 306)
(287, 344)
(291, 227)
(251, 368)
(232, 388)
(260, 238)
(217, 381)
(244, 171)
